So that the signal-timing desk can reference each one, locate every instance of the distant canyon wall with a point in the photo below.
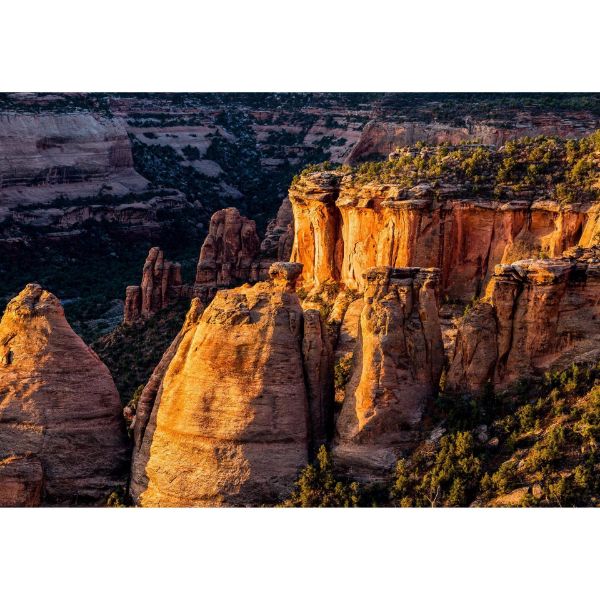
(71, 154)
(381, 136)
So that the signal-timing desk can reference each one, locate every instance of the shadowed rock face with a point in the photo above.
(161, 284)
(228, 250)
(62, 435)
(226, 418)
(343, 228)
(536, 315)
(398, 360)
(279, 236)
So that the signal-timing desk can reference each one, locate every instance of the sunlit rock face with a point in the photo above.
(344, 227)
(62, 435)
(536, 315)
(229, 417)
(398, 359)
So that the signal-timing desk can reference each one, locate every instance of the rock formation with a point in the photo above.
(226, 419)
(62, 436)
(344, 227)
(161, 285)
(537, 315)
(397, 364)
(228, 250)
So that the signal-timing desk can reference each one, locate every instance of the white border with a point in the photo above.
(313, 45)
(308, 45)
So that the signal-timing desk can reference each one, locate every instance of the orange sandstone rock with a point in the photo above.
(343, 228)
(62, 435)
(397, 364)
(230, 418)
(228, 250)
(536, 315)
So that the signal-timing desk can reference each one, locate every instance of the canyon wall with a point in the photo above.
(381, 136)
(536, 315)
(397, 362)
(43, 156)
(228, 417)
(62, 435)
(343, 227)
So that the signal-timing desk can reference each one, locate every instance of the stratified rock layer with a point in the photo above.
(62, 436)
(397, 364)
(43, 156)
(228, 250)
(343, 228)
(161, 285)
(536, 315)
(226, 418)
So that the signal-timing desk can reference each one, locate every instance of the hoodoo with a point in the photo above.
(62, 435)
(161, 285)
(228, 250)
(230, 421)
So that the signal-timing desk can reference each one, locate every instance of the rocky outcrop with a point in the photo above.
(161, 285)
(229, 249)
(344, 227)
(62, 436)
(397, 364)
(537, 315)
(227, 419)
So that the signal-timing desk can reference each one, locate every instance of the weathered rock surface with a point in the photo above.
(161, 285)
(62, 436)
(21, 481)
(343, 228)
(536, 315)
(397, 364)
(226, 419)
(228, 250)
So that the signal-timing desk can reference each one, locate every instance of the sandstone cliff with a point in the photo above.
(161, 285)
(397, 364)
(537, 315)
(343, 227)
(227, 418)
(62, 436)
